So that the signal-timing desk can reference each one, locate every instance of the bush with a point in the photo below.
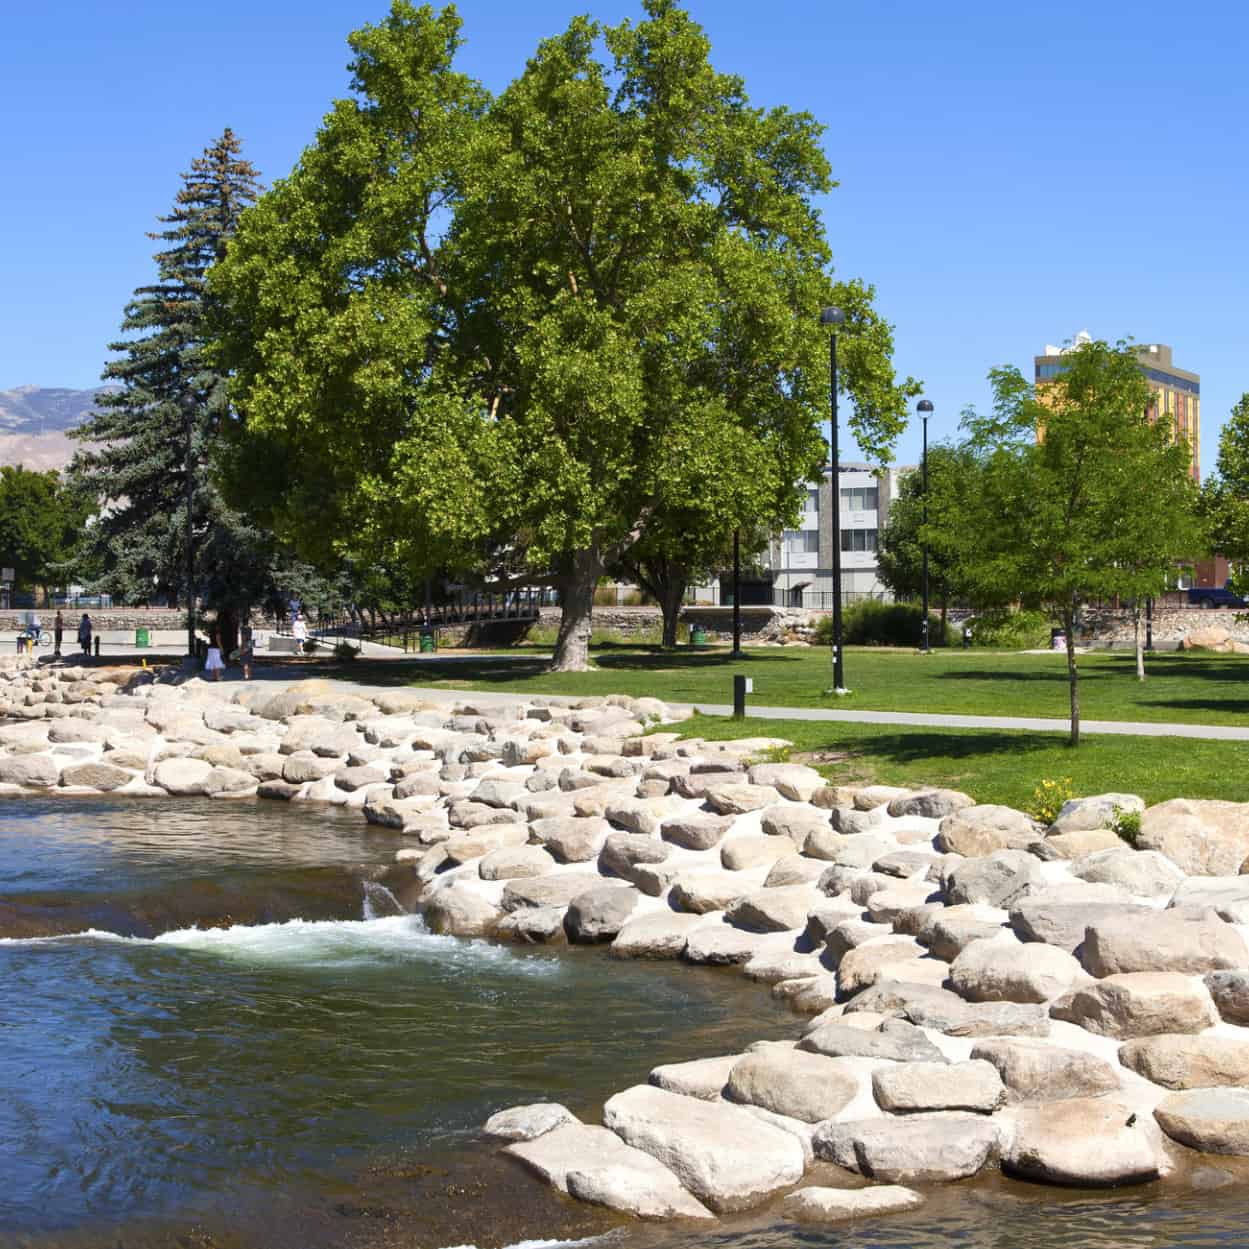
(1048, 799)
(345, 652)
(873, 623)
(1127, 825)
(1007, 630)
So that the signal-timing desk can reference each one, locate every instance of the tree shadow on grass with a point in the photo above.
(1230, 706)
(912, 747)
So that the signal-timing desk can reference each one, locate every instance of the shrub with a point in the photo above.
(873, 623)
(345, 652)
(1007, 630)
(1127, 825)
(1048, 799)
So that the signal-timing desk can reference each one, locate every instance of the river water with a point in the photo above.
(234, 1054)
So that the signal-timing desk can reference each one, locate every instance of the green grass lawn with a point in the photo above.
(1003, 767)
(1184, 688)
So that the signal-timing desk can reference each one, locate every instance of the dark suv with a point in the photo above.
(1215, 596)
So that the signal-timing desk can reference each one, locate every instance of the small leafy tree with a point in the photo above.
(1225, 496)
(41, 519)
(1078, 495)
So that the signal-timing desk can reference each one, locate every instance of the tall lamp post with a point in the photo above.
(188, 412)
(924, 408)
(737, 652)
(833, 317)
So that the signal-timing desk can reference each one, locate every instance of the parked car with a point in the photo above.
(1216, 596)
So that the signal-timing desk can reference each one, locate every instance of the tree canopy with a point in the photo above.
(41, 518)
(1073, 494)
(1225, 497)
(519, 336)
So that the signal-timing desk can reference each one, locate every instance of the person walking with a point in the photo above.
(300, 629)
(214, 663)
(58, 632)
(84, 634)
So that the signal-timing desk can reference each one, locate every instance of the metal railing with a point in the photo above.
(810, 600)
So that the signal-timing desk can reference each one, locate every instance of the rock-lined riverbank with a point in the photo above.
(976, 990)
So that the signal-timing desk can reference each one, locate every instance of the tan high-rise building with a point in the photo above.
(1176, 392)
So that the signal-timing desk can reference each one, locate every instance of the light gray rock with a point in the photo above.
(1214, 1121)
(1168, 942)
(794, 869)
(1084, 1141)
(1202, 837)
(999, 880)
(795, 1083)
(535, 925)
(739, 854)
(868, 963)
(352, 779)
(515, 863)
(460, 912)
(1139, 1004)
(722, 1154)
(183, 777)
(1230, 991)
(1144, 873)
(1035, 1071)
(730, 798)
(796, 823)
(302, 768)
(570, 839)
(826, 915)
(660, 934)
(228, 782)
(772, 909)
(1059, 916)
(827, 846)
(855, 852)
(527, 1123)
(932, 804)
(1077, 845)
(977, 831)
(703, 1078)
(886, 905)
(722, 945)
(101, 776)
(916, 1087)
(903, 1043)
(1004, 969)
(558, 889)
(931, 1007)
(1188, 1062)
(949, 931)
(623, 852)
(911, 1149)
(851, 821)
(599, 914)
(702, 892)
(1100, 811)
(1226, 896)
(695, 832)
(593, 1164)
(791, 780)
(907, 864)
(849, 934)
(835, 1205)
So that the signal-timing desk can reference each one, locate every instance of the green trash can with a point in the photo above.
(698, 635)
(142, 637)
(428, 645)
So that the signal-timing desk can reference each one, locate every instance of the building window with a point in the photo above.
(858, 539)
(813, 501)
(860, 498)
(802, 541)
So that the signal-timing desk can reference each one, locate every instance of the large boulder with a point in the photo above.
(796, 823)
(931, 1007)
(1202, 837)
(1214, 1121)
(852, 821)
(1085, 1141)
(702, 892)
(660, 934)
(776, 909)
(910, 1149)
(599, 913)
(794, 869)
(1078, 845)
(1059, 915)
(1100, 811)
(896, 1041)
(1168, 942)
(101, 776)
(740, 854)
(722, 945)
(867, 963)
(833, 1205)
(229, 783)
(460, 912)
(623, 852)
(527, 1123)
(1035, 1071)
(1000, 879)
(1139, 1004)
(639, 815)
(570, 839)
(515, 863)
(557, 889)
(183, 777)
(697, 831)
(1226, 896)
(1004, 969)
(790, 1082)
(908, 1088)
(730, 798)
(977, 831)
(931, 804)
(1188, 1062)
(795, 781)
(1144, 873)
(593, 1164)
(722, 1154)
(948, 931)
(703, 1078)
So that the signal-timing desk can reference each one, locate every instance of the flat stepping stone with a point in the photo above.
(1090, 1142)
(911, 1087)
(835, 1205)
(911, 1149)
(1214, 1121)
(793, 1083)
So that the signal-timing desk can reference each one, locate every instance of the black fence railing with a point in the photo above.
(760, 596)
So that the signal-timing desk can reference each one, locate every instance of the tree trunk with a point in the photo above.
(228, 629)
(1140, 649)
(1073, 678)
(670, 604)
(945, 617)
(572, 645)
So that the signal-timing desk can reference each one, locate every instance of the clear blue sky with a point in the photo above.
(1010, 173)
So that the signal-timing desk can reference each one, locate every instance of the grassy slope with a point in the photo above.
(1196, 688)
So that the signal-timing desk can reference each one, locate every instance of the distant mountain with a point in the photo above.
(38, 410)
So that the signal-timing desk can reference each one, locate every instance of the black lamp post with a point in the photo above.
(736, 652)
(188, 411)
(833, 317)
(924, 409)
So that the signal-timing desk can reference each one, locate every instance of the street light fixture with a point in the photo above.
(834, 317)
(924, 408)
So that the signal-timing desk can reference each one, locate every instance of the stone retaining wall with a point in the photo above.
(1171, 626)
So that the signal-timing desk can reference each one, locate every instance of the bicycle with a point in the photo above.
(40, 637)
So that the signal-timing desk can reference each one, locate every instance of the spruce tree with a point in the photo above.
(136, 462)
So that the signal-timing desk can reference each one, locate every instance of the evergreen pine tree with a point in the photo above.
(165, 386)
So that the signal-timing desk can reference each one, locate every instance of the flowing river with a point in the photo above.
(241, 1051)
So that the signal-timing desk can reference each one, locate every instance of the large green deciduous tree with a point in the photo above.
(136, 462)
(41, 518)
(1225, 496)
(520, 336)
(1077, 495)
